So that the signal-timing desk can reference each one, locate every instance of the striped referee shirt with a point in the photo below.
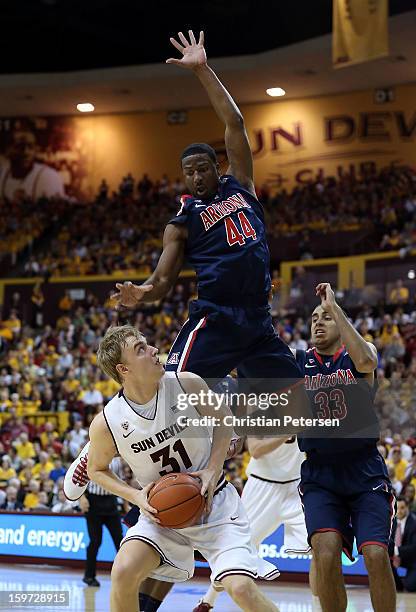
(96, 489)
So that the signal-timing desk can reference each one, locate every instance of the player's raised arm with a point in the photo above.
(362, 353)
(165, 275)
(236, 140)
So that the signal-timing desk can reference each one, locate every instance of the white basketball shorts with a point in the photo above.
(223, 538)
(269, 505)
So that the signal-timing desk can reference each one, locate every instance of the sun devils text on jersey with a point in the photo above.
(338, 391)
(222, 232)
(155, 444)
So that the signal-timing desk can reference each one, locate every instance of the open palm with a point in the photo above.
(193, 52)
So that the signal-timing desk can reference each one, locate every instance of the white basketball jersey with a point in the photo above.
(156, 444)
(280, 465)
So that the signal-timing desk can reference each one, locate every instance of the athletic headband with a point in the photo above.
(199, 147)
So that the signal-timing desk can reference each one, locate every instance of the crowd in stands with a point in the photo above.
(121, 231)
(23, 221)
(381, 200)
(51, 388)
(118, 233)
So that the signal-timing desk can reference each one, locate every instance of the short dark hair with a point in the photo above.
(403, 499)
(199, 147)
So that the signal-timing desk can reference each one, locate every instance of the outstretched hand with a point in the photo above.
(129, 295)
(193, 52)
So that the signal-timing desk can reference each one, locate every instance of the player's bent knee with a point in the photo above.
(133, 563)
(239, 587)
(327, 552)
(126, 574)
(328, 561)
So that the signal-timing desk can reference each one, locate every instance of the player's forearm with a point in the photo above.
(221, 439)
(169, 265)
(220, 445)
(221, 100)
(361, 353)
(162, 284)
(258, 448)
(112, 484)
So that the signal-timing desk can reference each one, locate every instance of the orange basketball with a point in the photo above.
(178, 499)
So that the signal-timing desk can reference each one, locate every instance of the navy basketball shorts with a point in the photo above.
(216, 339)
(353, 498)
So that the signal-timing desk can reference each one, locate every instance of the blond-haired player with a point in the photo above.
(140, 424)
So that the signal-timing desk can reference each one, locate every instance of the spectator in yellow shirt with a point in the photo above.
(388, 330)
(5, 332)
(44, 465)
(400, 294)
(32, 498)
(6, 471)
(5, 402)
(16, 407)
(13, 323)
(48, 435)
(108, 388)
(51, 356)
(70, 384)
(66, 303)
(25, 475)
(398, 463)
(24, 447)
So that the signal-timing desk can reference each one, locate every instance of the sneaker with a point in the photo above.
(76, 479)
(91, 581)
(203, 606)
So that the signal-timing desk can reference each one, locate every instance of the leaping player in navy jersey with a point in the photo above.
(345, 488)
(220, 230)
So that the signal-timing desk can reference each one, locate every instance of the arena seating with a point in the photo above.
(120, 233)
(50, 389)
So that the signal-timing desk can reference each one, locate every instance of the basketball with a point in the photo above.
(178, 499)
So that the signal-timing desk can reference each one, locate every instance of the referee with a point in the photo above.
(100, 508)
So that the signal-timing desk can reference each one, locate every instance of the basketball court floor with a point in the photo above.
(289, 597)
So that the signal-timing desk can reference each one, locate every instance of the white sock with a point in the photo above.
(210, 596)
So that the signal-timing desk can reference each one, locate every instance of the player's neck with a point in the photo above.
(141, 392)
(329, 350)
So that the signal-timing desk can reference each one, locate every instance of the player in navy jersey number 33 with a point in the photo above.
(220, 231)
(345, 489)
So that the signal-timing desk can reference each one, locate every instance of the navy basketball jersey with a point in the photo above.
(227, 245)
(338, 391)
